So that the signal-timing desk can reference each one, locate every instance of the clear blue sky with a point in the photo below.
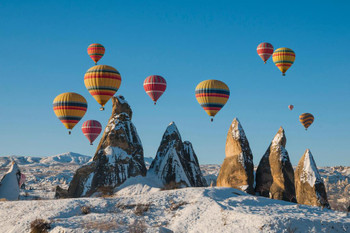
(43, 53)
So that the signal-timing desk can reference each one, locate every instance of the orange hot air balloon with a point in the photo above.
(265, 50)
(290, 107)
(306, 119)
(96, 52)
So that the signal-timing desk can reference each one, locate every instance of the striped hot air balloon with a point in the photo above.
(96, 52)
(265, 50)
(102, 82)
(306, 119)
(91, 129)
(154, 86)
(283, 59)
(69, 107)
(290, 107)
(212, 95)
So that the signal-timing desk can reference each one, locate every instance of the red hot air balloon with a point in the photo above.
(265, 50)
(290, 107)
(154, 86)
(91, 129)
(96, 52)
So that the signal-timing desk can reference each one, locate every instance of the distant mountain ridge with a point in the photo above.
(68, 157)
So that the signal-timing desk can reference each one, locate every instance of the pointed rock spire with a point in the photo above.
(309, 186)
(237, 168)
(176, 162)
(119, 155)
(9, 184)
(275, 174)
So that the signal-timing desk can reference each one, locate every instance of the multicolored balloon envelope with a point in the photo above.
(69, 107)
(91, 129)
(102, 82)
(212, 95)
(154, 86)
(283, 59)
(290, 107)
(306, 119)
(96, 52)
(265, 50)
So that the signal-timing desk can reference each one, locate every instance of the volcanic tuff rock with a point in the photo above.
(237, 170)
(309, 186)
(9, 185)
(118, 157)
(176, 162)
(275, 174)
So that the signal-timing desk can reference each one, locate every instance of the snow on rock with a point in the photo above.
(119, 155)
(176, 161)
(237, 168)
(275, 174)
(9, 184)
(193, 210)
(309, 186)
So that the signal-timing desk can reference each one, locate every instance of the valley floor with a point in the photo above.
(140, 208)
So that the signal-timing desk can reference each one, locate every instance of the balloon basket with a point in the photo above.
(91, 143)
(212, 119)
(283, 74)
(154, 103)
(102, 109)
(69, 132)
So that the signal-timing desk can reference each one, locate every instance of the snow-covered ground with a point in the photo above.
(183, 210)
(140, 204)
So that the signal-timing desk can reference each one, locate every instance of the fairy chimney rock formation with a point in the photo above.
(176, 162)
(309, 186)
(237, 170)
(9, 184)
(275, 174)
(119, 156)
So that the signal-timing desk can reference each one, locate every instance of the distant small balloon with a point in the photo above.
(283, 59)
(154, 86)
(96, 52)
(265, 50)
(91, 129)
(306, 119)
(290, 107)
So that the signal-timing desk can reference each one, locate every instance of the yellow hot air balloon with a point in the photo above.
(102, 82)
(69, 107)
(283, 59)
(306, 119)
(212, 95)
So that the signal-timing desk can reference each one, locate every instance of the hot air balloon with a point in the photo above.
(283, 59)
(212, 95)
(306, 119)
(265, 50)
(290, 107)
(154, 86)
(91, 129)
(96, 52)
(69, 107)
(102, 82)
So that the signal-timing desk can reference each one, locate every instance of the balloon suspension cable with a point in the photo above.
(102, 109)
(212, 119)
(69, 132)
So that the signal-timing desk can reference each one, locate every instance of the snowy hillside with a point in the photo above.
(69, 157)
(140, 209)
(44, 173)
